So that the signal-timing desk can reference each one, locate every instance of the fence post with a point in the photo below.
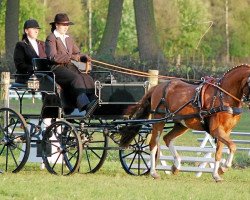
(4, 89)
(153, 79)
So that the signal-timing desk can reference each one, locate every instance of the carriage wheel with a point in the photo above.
(94, 144)
(14, 141)
(135, 158)
(61, 148)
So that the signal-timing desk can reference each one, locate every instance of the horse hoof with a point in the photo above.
(155, 176)
(174, 170)
(218, 179)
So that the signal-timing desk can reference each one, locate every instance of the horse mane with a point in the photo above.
(234, 68)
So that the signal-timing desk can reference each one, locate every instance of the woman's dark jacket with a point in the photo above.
(23, 55)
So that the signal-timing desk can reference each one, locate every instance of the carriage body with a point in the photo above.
(67, 135)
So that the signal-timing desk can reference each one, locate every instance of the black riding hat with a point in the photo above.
(31, 23)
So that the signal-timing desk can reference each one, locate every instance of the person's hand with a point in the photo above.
(85, 58)
(75, 57)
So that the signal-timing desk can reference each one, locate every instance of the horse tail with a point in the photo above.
(139, 111)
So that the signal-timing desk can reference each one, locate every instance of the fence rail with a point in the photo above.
(197, 159)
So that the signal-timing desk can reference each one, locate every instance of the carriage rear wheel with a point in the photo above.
(61, 148)
(95, 143)
(14, 141)
(135, 158)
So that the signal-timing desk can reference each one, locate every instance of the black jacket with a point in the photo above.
(23, 55)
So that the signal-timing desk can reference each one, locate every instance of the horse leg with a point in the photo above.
(153, 144)
(218, 155)
(177, 130)
(232, 148)
(223, 137)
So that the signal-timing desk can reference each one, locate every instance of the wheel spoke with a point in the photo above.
(132, 161)
(56, 160)
(7, 158)
(15, 146)
(2, 149)
(144, 161)
(73, 155)
(124, 156)
(13, 156)
(88, 159)
(67, 162)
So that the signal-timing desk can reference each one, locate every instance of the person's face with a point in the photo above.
(32, 32)
(62, 28)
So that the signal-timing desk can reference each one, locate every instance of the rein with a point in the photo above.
(145, 74)
(221, 89)
(131, 71)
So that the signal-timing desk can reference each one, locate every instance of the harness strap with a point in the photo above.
(205, 113)
(231, 110)
(162, 102)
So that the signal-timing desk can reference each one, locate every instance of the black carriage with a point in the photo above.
(71, 138)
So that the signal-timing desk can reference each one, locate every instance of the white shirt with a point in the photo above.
(62, 37)
(34, 44)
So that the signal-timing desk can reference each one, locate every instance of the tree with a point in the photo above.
(110, 36)
(11, 30)
(149, 50)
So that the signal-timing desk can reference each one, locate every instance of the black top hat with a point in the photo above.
(31, 23)
(62, 18)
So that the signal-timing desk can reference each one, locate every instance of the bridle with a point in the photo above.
(246, 98)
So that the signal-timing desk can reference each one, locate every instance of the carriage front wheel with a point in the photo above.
(135, 158)
(14, 141)
(61, 148)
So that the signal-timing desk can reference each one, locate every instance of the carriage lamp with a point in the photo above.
(33, 84)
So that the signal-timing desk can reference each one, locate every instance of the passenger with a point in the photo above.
(27, 49)
(61, 50)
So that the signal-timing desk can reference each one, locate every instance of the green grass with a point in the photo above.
(112, 182)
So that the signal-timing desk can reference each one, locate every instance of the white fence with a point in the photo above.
(201, 158)
(27, 95)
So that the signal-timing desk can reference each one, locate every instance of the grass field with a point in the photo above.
(112, 182)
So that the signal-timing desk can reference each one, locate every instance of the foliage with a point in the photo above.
(100, 9)
(76, 11)
(182, 27)
(127, 42)
(32, 10)
(240, 32)
(2, 24)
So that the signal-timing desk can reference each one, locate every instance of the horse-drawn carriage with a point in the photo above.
(213, 105)
(63, 140)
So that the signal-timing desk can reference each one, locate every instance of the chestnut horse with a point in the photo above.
(213, 105)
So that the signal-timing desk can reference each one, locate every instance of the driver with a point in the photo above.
(61, 50)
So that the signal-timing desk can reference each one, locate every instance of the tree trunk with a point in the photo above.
(11, 30)
(110, 36)
(149, 50)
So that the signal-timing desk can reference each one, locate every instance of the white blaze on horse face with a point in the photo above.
(177, 159)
